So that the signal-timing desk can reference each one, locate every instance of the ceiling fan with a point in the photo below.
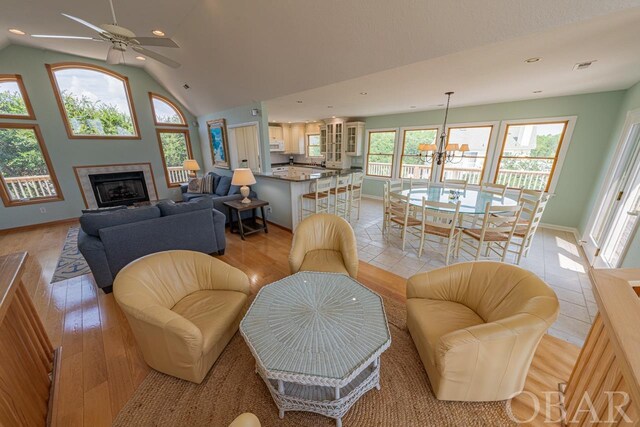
(120, 38)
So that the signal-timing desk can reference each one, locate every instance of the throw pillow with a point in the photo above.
(223, 186)
(92, 223)
(207, 184)
(195, 185)
(168, 207)
(216, 181)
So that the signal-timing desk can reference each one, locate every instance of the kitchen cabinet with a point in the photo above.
(275, 133)
(294, 144)
(354, 138)
(335, 154)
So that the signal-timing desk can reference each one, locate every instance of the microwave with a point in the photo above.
(276, 146)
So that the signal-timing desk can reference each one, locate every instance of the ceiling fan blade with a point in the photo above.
(52, 36)
(113, 56)
(157, 41)
(160, 58)
(85, 23)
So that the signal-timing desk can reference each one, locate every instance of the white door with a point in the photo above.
(616, 218)
(245, 139)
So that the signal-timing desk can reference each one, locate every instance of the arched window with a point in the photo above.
(94, 102)
(165, 112)
(14, 102)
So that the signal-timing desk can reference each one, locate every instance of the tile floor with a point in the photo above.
(554, 256)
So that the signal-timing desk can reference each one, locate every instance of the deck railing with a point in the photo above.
(30, 187)
(535, 180)
(177, 174)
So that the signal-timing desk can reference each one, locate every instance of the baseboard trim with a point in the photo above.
(368, 196)
(42, 224)
(572, 230)
(282, 227)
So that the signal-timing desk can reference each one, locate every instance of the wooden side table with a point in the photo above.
(239, 207)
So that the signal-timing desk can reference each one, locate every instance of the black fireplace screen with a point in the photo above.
(121, 188)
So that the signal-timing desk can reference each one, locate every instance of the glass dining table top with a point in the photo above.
(472, 201)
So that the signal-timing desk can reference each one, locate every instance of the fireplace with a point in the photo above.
(119, 188)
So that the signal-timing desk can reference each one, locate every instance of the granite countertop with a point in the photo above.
(302, 177)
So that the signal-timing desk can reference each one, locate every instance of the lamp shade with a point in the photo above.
(191, 165)
(427, 147)
(464, 147)
(243, 176)
(451, 147)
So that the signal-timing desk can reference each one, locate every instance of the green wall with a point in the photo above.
(236, 116)
(66, 153)
(597, 117)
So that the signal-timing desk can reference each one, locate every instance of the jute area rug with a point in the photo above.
(232, 387)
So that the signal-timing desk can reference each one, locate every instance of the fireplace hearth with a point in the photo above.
(119, 188)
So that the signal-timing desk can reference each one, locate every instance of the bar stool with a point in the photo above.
(319, 197)
(357, 179)
(342, 197)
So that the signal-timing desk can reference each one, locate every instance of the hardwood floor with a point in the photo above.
(102, 366)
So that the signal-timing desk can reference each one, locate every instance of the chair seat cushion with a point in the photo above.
(321, 195)
(489, 236)
(324, 260)
(410, 221)
(437, 231)
(214, 312)
(431, 319)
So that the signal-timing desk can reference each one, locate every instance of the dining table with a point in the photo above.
(472, 202)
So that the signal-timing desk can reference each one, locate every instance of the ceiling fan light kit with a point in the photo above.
(121, 39)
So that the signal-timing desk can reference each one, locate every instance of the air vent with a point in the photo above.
(583, 65)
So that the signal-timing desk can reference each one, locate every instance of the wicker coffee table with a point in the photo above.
(317, 340)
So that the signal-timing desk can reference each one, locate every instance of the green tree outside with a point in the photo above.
(87, 117)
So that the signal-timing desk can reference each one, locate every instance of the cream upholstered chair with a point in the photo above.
(183, 308)
(324, 242)
(476, 326)
(245, 420)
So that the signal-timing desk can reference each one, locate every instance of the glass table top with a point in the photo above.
(472, 201)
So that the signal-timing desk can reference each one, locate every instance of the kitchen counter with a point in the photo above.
(302, 174)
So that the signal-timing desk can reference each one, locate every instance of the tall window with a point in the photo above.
(14, 102)
(380, 153)
(175, 148)
(94, 102)
(412, 165)
(165, 112)
(471, 165)
(26, 173)
(529, 154)
(313, 145)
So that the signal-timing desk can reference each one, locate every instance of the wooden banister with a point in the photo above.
(604, 387)
(26, 354)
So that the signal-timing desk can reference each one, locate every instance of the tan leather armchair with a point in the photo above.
(245, 420)
(183, 308)
(324, 242)
(477, 325)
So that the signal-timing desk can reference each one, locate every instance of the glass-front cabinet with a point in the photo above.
(355, 137)
(323, 139)
(339, 140)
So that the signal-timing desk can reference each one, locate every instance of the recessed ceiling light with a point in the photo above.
(299, 102)
(17, 32)
(158, 33)
(289, 122)
(363, 93)
(412, 106)
(333, 117)
(532, 60)
(329, 106)
(537, 91)
(141, 58)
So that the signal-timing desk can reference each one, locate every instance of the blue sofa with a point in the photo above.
(110, 240)
(223, 191)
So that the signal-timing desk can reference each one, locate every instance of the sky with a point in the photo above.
(94, 85)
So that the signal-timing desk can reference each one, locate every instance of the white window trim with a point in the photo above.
(491, 148)
(568, 133)
(394, 166)
(306, 146)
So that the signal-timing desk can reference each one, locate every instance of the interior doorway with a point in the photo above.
(245, 143)
(615, 220)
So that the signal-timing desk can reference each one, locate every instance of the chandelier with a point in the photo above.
(443, 152)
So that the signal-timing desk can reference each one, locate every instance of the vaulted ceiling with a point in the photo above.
(237, 51)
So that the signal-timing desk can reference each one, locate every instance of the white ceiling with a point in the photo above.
(489, 74)
(237, 51)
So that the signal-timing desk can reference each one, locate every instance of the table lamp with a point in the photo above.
(192, 166)
(243, 177)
